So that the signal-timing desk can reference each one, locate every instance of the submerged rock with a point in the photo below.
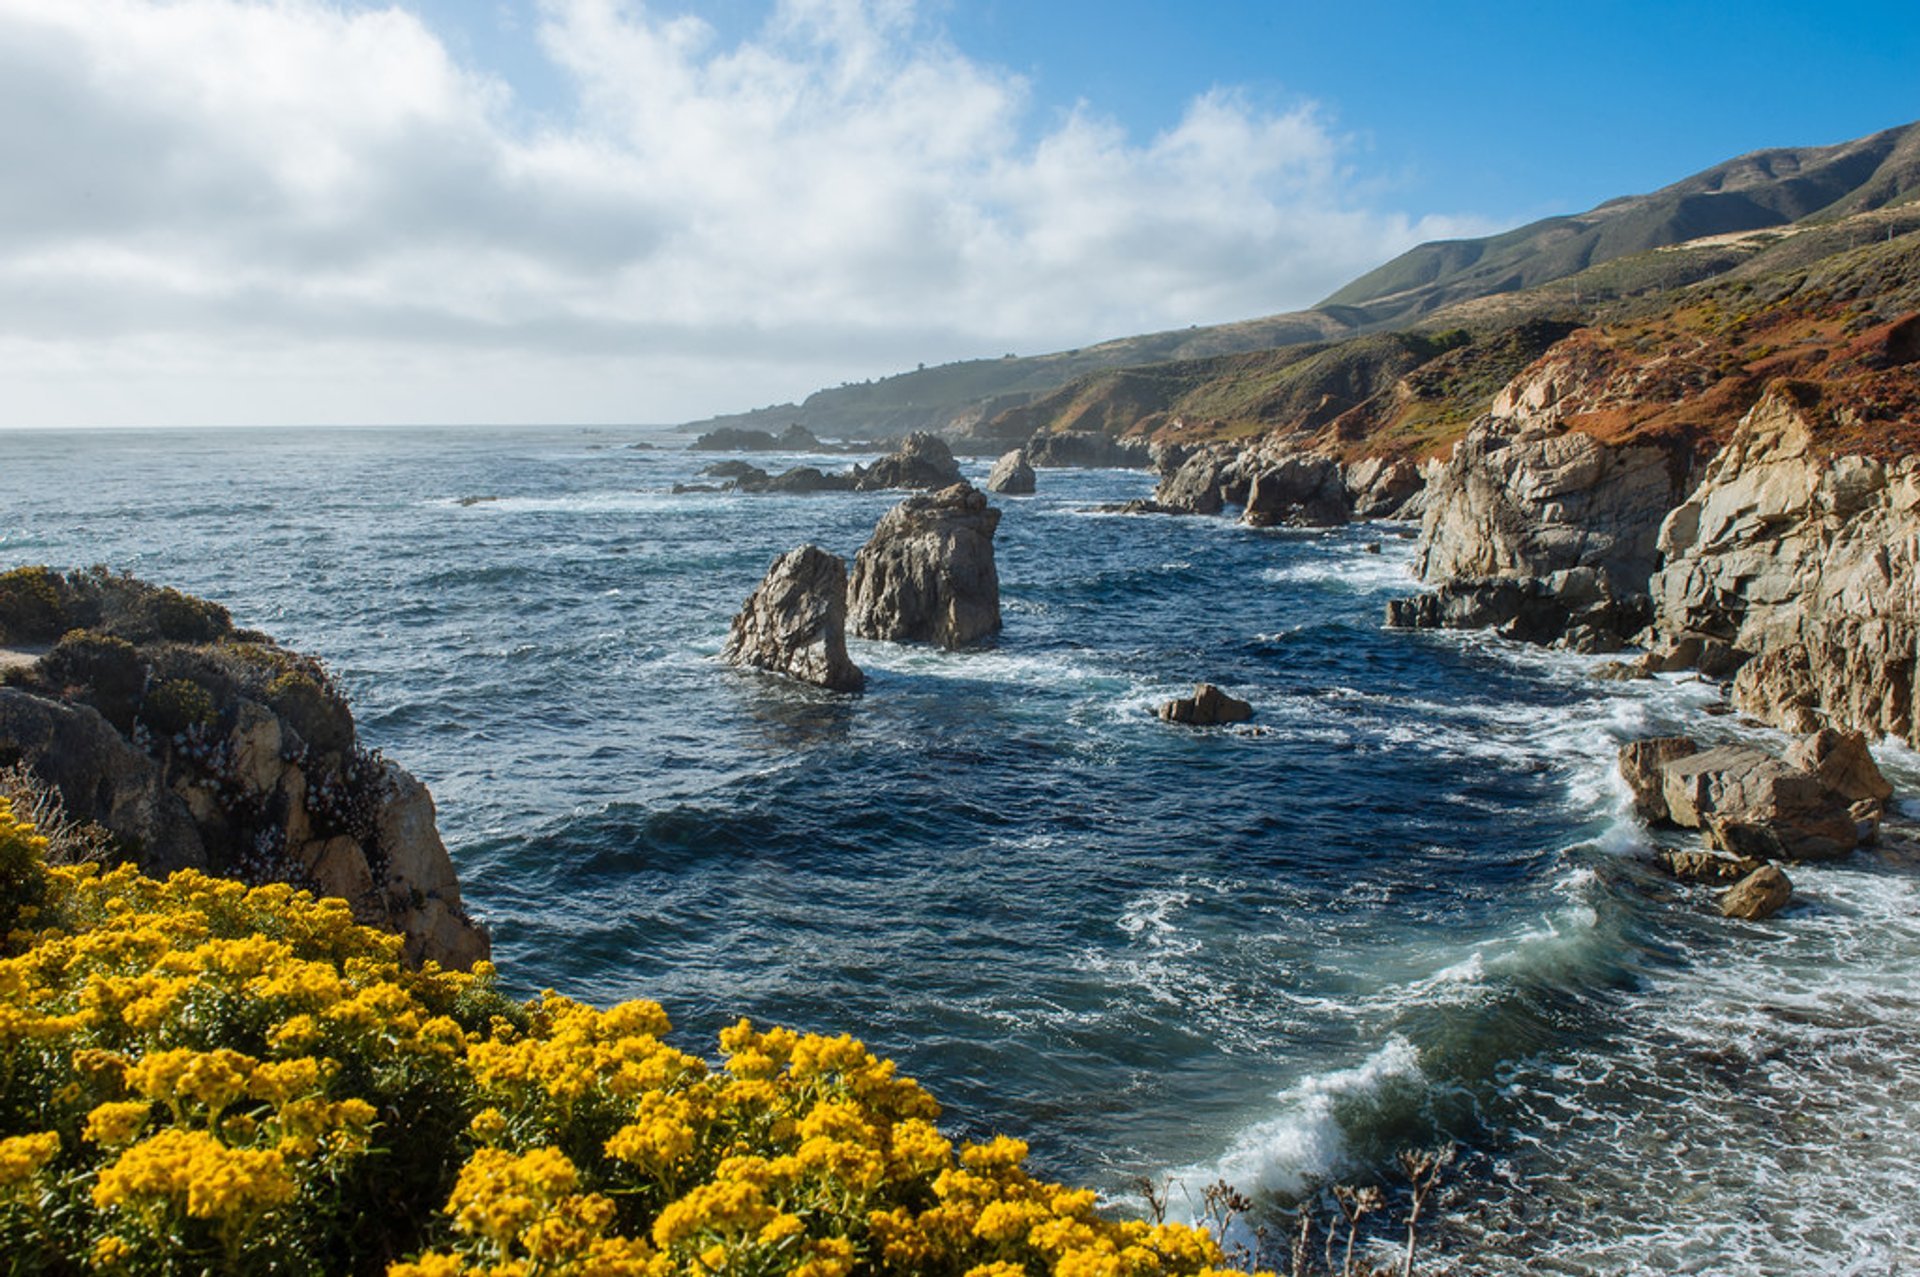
(795, 622)
(1760, 894)
(927, 574)
(1011, 474)
(1207, 707)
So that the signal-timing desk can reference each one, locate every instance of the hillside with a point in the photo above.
(1724, 218)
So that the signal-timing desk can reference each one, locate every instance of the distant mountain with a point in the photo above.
(985, 400)
(1755, 192)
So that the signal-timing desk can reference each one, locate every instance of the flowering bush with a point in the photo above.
(198, 1077)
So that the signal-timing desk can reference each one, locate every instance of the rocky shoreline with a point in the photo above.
(191, 744)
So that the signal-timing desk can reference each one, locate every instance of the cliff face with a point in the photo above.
(1807, 563)
(1754, 473)
(195, 745)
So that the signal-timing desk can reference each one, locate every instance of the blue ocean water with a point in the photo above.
(1406, 905)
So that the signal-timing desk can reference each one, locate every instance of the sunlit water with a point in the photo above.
(1408, 906)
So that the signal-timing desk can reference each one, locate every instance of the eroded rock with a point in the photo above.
(1011, 474)
(795, 622)
(922, 460)
(1760, 894)
(927, 574)
(1642, 764)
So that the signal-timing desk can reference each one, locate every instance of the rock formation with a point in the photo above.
(921, 461)
(795, 623)
(1760, 894)
(927, 573)
(1806, 566)
(795, 438)
(1819, 802)
(1061, 449)
(1298, 489)
(1011, 474)
(196, 745)
(1207, 707)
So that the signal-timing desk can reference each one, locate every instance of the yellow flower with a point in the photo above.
(191, 1169)
(118, 1123)
(22, 1156)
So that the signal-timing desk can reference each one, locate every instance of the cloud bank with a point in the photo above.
(229, 211)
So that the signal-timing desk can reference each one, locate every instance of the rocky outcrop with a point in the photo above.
(1011, 474)
(1086, 449)
(198, 746)
(922, 461)
(1806, 565)
(1641, 764)
(1207, 707)
(795, 622)
(927, 574)
(1296, 489)
(1759, 895)
(1842, 762)
(795, 438)
(1199, 482)
(1575, 609)
(1384, 488)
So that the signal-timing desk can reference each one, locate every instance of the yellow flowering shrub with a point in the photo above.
(199, 1077)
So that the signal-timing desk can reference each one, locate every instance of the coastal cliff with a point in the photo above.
(194, 745)
(1746, 482)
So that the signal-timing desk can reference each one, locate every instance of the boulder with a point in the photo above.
(1760, 894)
(1843, 763)
(1207, 707)
(1713, 868)
(1298, 489)
(795, 622)
(1196, 484)
(927, 573)
(1752, 804)
(922, 461)
(1011, 474)
(1577, 609)
(1641, 764)
(1382, 488)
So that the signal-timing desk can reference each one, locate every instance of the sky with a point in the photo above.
(308, 212)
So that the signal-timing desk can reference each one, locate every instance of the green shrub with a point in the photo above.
(104, 671)
(23, 872)
(32, 606)
(313, 709)
(176, 706)
(169, 615)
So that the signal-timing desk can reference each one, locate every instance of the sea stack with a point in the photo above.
(1012, 475)
(795, 623)
(927, 573)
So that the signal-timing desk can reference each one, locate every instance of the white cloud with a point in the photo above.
(288, 210)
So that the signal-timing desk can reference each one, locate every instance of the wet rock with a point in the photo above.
(1752, 804)
(1198, 482)
(927, 574)
(734, 470)
(1712, 868)
(1641, 766)
(1576, 609)
(1298, 490)
(795, 622)
(795, 438)
(1011, 474)
(1760, 894)
(922, 461)
(1207, 707)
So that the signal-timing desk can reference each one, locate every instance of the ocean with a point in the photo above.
(1407, 905)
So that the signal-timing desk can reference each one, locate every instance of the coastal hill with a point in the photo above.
(1716, 213)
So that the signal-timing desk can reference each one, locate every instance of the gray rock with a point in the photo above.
(1207, 707)
(1760, 894)
(795, 622)
(1064, 449)
(1298, 489)
(1382, 488)
(922, 461)
(1197, 484)
(1011, 474)
(927, 574)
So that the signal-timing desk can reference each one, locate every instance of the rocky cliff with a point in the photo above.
(197, 745)
(1745, 480)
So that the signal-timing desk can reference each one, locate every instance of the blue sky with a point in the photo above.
(285, 211)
